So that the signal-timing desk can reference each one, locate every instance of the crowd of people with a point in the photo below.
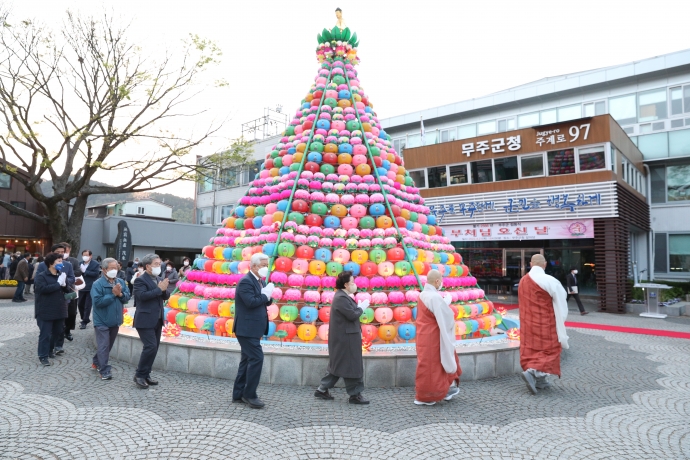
(99, 290)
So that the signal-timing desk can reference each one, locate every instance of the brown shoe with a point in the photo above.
(359, 399)
(584, 313)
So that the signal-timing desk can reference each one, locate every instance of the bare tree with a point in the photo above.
(72, 102)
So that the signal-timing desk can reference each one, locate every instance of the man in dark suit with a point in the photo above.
(251, 323)
(91, 272)
(573, 290)
(150, 293)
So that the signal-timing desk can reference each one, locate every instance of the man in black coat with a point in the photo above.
(150, 293)
(251, 323)
(50, 308)
(91, 271)
(573, 290)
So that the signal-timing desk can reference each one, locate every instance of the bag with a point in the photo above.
(573, 289)
(71, 295)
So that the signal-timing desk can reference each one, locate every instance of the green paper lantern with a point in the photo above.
(367, 316)
(260, 211)
(352, 125)
(182, 303)
(237, 254)
(278, 162)
(239, 223)
(338, 80)
(294, 167)
(327, 169)
(319, 208)
(289, 312)
(275, 154)
(180, 318)
(377, 256)
(402, 268)
(331, 102)
(286, 249)
(375, 151)
(316, 147)
(367, 222)
(296, 217)
(290, 131)
(334, 268)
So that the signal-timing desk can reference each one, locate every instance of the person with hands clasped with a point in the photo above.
(345, 342)
(150, 293)
(251, 323)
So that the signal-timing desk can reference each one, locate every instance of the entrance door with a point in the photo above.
(516, 262)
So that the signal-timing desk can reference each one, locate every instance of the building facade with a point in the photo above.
(641, 157)
(146, 209)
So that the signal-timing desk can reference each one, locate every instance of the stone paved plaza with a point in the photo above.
(622, 396)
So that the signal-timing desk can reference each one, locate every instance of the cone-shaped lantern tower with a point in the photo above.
(333, 195)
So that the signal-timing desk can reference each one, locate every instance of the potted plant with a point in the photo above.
(7, 288)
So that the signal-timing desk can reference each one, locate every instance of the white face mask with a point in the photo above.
(351, 288)
(168, 269)
(111, 274)
(86, 258)
(66, 255)
(263, 271)
(574, 272)
(141, 269)
(186, 263)
(156, 271)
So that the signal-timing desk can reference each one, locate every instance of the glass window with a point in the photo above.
(506, 168)
(430, 137)
(226, 211)
(5, 180)
(569, 113)
(613, 158)
(228, 177)
(600, 108)
(486, 127)
(527, 120)
(414, 140)
(506, 125)
(679, 253)
(652, 105)
(399, 145)
(532, 166)
(660, 253)
(653, 145)
(686, 98)
(18, 204)
(458, 174)
(676, 100)
(205, 216)
(588, 109)
(419, 178)
(623, 109)
(205, 184)
(679, 143)
(436, 177)
(549, 116)
(467, 131)
(646, 128)
(448, 135)
(592, 158)
(678, 182)
(482, 171)
(561, 162)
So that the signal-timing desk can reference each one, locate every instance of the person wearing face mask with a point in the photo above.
(186, 266)
(252, 296)
(90, 271)
(109, 294)
(573, 290)
(345, 342)
(172, 276)
(438, 369)
(150, 294)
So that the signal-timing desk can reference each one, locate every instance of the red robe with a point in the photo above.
(431, 380)
(539, 346)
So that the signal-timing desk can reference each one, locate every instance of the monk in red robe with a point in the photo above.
(543, 309)
(438, 368)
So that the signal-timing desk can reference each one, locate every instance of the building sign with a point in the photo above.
(123, 243)
(547, 203)
(537, 230)
(499, 145)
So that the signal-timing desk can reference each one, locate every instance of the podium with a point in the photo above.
(651, 291)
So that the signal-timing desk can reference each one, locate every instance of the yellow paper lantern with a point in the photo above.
(278, 216)
(317, 267)
(359, 256)
(224, 309)
(218, 253)
(306, 332)
(228, 326)
(249, 211)
(189, 321)
(217, 267)
(172, 302)
(301, 147)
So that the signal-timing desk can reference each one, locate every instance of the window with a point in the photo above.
(18, 204)
(686, 98)
(229, 177)
(436, 177)
(532, 166)
(249, 173)
(561, 162)
(467, 131)
(679, 143)
(506, 125)
(569, 113)
(205, 184)
(660, 253)
(646, 128)
(140, 210)
(226, 211)
(653, 145)
(623, 109)
(482, 171)
(677, 100)
(399, 144)
(414, 140)
(458, 174)
(592, 158)
(486, 127)
(419, 178)
(205, 216)
(448, 135)
(548, 116)
(506, 168)
(613, 158)
(594, 108)
(679, 253)
(527, 120)
(678, 183)
(430, 137)
(5, 180)
(652, 105)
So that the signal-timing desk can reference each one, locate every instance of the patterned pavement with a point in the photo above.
(622, 396)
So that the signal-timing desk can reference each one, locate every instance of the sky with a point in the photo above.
(414, 55)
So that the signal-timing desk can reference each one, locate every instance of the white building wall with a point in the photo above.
(151, 209)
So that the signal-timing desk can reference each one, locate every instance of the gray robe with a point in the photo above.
(345, 338)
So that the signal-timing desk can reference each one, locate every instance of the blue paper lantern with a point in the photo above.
(268, 249)
(407, 331)
(271, 329)
(203, 306)
(209, 323)
(431, 219)
(323, 124)
(234, 267)
(282, 205)
(316, 157)
(352, 267)
(308, 314)
(323, 255)
(239, 211)
(227, 253)
(257, 222)
(377, 209)
(331, 222)
(199, 263)
(345, 148)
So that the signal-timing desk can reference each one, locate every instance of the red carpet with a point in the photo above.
(507, 306)
(630, 330)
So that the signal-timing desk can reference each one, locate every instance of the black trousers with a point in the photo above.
(249, 372)
(150, 339)
(48, 332)
(577, 299)
(85, 306)
(352, 386)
